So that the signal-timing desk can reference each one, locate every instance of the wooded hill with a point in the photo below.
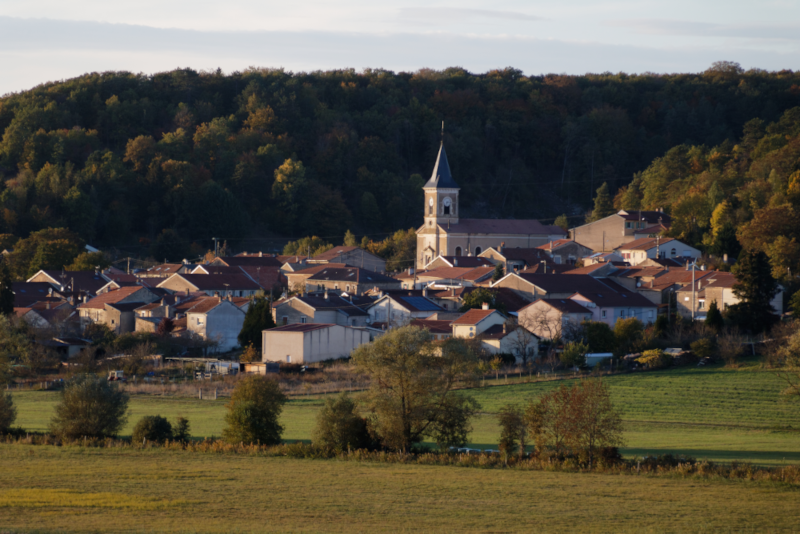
(167, 160)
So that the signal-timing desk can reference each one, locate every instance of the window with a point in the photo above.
(199, 321)
(603, 314)
(477, 250)
(303, 320)
(622, 313)
(458, 251)
(446, 210)
(347, 288)
(285, 320)
(112, 321)
(557, 259)
(650, 314)
(288, 359)
(701, 304)
(673, 252)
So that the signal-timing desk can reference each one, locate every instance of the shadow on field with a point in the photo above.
(720, 455)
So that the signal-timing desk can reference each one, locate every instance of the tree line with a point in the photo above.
(161, 163)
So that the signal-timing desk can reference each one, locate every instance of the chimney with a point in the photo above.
(485, 306)
(455, 262)
(452, 292)
(502, 245)
(216, 294)
(260, 254)
(425, 291)
(48, 304)
(505, 330)
(85, 299)
(326, 293)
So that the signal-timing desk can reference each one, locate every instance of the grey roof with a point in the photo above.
(441, 177)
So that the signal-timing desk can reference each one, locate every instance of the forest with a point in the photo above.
(157, 165)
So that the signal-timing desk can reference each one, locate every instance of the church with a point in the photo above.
(445, 234)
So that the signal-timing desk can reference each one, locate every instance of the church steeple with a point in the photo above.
(441, 193)
(441, 177)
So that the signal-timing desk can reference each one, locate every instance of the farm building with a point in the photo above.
(309, 343)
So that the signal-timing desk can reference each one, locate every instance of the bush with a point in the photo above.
(152, 428)
(253, 411)
(181, 430)
(574, 354)
(8, 413)
(654, 359)
(703, 348)
(90, 407)
(340, 427)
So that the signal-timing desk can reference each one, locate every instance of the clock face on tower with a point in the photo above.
(430, 202)
(447, 202)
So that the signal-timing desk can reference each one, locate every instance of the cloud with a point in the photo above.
(37, 51)
(444, 15)
(789, 32)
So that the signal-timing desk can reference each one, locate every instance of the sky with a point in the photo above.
(50, 40)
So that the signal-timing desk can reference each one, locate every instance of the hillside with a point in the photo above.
(119, 158)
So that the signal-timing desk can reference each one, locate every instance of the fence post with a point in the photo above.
(200, 392)
(215, 393)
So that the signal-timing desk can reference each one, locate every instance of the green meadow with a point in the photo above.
(711, 413)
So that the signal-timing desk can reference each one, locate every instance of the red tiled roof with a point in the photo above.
(249, 261)
(473, 317)
(552, 268)
(464, 261)
(218, 282)
(335, 252)
(205, 305)
(435, 327)
(555, 244)
(644, 243)
(113, 297)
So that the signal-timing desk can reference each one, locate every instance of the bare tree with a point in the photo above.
(524, 343)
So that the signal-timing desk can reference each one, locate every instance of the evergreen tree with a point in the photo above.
(714, 318)
(603, 207)
(499, 272)
(755, 287)
(350, 239)
(6, 294)
(562, 221)
(257, 319)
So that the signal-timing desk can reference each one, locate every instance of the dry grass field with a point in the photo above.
(74, 489)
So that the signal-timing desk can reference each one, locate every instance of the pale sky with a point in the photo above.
(46, 40)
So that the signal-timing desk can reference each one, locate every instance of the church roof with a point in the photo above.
(441, 177)
(505, 227)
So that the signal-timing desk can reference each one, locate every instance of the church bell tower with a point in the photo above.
(441, 194)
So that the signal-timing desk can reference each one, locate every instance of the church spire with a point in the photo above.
(441, 177)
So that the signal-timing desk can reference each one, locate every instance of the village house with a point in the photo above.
(615, 230)
(73, 282)
(713, 286)
(565, 251)
(216, 320)
(326, 308)
(352, 257)
(604, 257)
(552, 318)
(639, 250)
(446, 277)
(397, 309)
(115, 308)
(311, 343)
(236, 285)
(445, 233)
(352, 280)
(268, 279)
(475, 322)
(296, 279)
(612, 303)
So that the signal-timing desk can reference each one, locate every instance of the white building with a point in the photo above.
(309, 343)
(217, 320)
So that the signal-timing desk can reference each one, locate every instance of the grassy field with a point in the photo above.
(711, 413)
(71, 489)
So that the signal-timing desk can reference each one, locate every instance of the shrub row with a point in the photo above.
(666, 465)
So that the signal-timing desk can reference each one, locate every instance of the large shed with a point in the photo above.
(311, 342)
